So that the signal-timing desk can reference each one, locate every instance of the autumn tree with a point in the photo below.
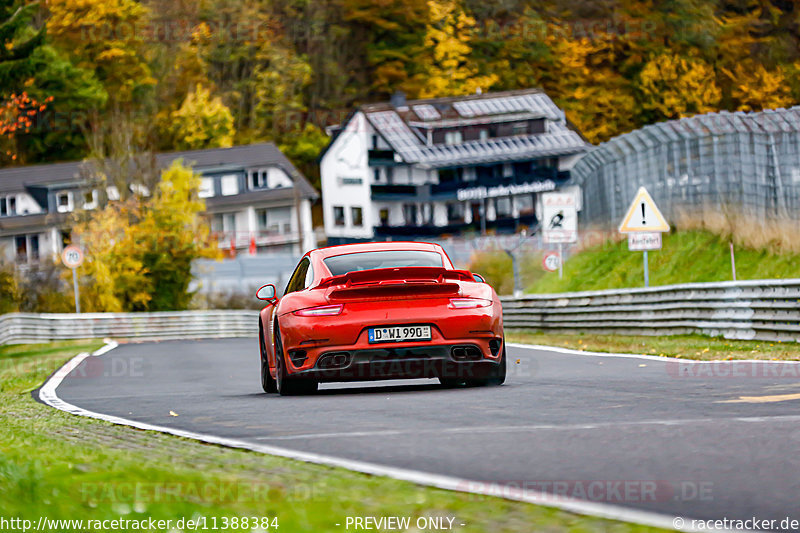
(105, 36)
(754, 88)
(675, 87)
(449, 69)
(203, 121)
(139, 251)
(390, 38)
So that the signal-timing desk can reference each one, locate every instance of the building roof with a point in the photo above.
(246, 156)
(404, 126)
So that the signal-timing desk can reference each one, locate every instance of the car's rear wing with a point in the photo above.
(396, 276)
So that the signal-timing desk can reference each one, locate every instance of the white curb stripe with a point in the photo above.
(572, 351)
(49, 396)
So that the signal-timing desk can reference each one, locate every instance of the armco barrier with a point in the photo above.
(761, 309)
(19, 328)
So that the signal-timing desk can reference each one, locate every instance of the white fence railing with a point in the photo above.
(19, 328)
(763, 309)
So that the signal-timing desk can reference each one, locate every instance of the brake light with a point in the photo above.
(323, 310)
(468, 303)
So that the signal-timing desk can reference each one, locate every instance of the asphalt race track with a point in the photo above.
(712, 440)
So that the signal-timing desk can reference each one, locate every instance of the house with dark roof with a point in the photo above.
(407, 169)
(253, 193)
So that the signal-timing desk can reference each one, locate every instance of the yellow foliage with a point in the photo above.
(104, 36)
(202, 122)
(139, 252)
(675, 87)
(449, 70)
(755, 88)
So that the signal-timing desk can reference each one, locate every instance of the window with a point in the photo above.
(21, 244)
(90, 199)
(338, 215)
(455, 213)
(383, 215)
(376, 175)
(274, 220)
(230, 185)
(374, 142)
(298, 279)
(410, 214)
(8, 206)
(483, 135)
(224, 223)
(64, 202)
(448, 175)
(357, 214)
(27, 247)
(389, 174)
(519, 128)
(342, 264)
(452, 137)
(206, 188)
(258, 179)
(503, 207)
(524, 204)
(113, 193)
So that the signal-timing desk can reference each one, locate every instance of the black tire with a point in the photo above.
(497, 375)
(285, 385)
(451, 383)
(267, 381)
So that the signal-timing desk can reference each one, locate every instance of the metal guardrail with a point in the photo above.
(762, 309)
(18, 328)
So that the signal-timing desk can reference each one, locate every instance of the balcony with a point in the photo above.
(450, 187)
(394, 192)
(378, 158)
(500, 225)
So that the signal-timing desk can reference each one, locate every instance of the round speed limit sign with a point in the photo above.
(551, 261)
(72, 256)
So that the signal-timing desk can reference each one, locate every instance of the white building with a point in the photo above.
(252, 193)
(405, 169)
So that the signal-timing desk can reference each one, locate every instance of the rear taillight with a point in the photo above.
(323, 310)
(468, 303)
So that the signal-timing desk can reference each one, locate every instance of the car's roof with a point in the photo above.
(342, 249)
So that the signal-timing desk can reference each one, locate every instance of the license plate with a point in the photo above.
(400, 334)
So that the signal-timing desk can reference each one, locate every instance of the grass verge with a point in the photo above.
(67, 467)
(685, 257)
(682, 346)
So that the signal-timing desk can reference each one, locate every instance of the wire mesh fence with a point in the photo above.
(749, 162)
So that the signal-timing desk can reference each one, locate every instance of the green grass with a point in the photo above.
(67, 467)
(687, 256)
(683, 346)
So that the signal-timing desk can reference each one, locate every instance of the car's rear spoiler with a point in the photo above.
(397, 275)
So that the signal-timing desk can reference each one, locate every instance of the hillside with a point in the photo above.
(687, 256)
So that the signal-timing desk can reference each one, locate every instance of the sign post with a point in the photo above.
(72, 257)
(559, 222)
(644, 224)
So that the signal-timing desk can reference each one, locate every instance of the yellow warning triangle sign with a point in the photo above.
(643, 215)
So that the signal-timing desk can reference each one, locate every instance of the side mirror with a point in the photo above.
(478, 278)
(267, 293)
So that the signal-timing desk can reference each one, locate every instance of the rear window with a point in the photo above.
(342, 264)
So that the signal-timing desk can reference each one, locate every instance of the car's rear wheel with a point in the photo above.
(267, 381)
(285, 385)
(496, 376)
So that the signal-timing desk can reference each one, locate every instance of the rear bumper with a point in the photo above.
(449, 361)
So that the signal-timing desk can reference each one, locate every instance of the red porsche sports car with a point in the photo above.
(384, 310)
